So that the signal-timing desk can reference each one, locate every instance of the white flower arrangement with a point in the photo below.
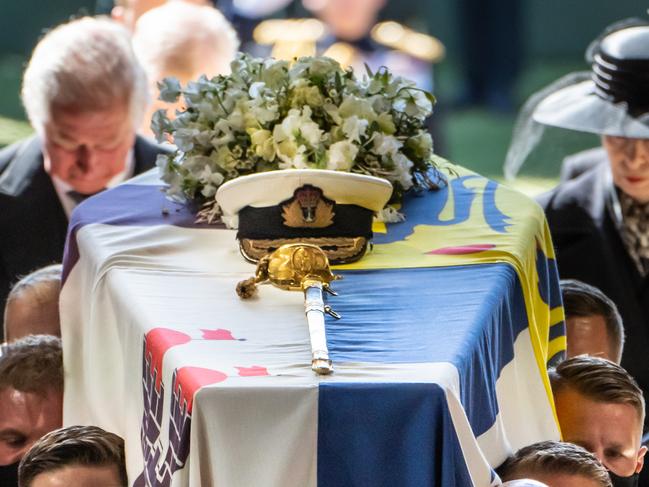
(270, 115)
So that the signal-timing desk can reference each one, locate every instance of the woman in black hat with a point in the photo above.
(599, 218)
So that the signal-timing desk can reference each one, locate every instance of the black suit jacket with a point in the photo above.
(33, 223)
(589, 248)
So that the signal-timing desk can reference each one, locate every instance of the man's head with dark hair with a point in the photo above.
(553, 463)
(33, 304)
(31, 393)
(75, 456)
(600, 407)
(593, 323)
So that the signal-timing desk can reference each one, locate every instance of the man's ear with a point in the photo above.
(641, 454)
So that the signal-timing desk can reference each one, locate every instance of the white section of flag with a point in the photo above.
(246, 430)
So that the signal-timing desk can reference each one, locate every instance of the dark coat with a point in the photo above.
(33, 223)
(589, 248)
(577, 164)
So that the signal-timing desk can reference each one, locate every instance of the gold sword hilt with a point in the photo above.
(289, 268)
(300, 267)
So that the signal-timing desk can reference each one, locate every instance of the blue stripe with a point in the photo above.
(557, 330)
(495, 218)
(133, 204)
(357, 421)
(556, 359)
(549, 287)
(425, 208)
(468, 316)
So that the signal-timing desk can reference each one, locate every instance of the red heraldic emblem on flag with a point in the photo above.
(162, 459)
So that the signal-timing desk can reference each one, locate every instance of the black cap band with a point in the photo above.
(268, 223)
(622, 80)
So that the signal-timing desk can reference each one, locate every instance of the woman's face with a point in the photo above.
(629, 160)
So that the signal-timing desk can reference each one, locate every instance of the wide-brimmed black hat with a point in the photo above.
(615, 101)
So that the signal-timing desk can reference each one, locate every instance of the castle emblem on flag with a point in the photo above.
(164, 456)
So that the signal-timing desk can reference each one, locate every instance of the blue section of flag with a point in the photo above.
(550, 292)
(137, 205)
(425, 208)
(495, 218)
(469, 316)
(549, 287)
(357, 421)
(557, 331)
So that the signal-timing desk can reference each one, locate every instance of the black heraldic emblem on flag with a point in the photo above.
(160, 465)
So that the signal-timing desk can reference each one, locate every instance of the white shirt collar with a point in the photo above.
(62, 188)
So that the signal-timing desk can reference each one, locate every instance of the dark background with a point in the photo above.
(549, 38)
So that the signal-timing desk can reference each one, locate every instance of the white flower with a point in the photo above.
(274, 73)
(318, 66)
(236, 119)
(262, 143)
(311, 132)
(380, 104)
(375, 86)
(222, 133)
(397, 85)
(184, 138)
(402, 168)
(386, 123)
(354, 128)
(421, 144)
(341, 155)
(305, 93)
(209, 176)
(256, 89)
(291, 155)
(389, 214)
(420, 99)
(211, 181)
(289, 127)
(223, 157)
(298, 124)
(267, 115)
(260, 112)
(169, 89)
(386, 145)
(160, 124)
(332, 111)
(360, 107)
(414, 103)
(194, 91)
(196, 164)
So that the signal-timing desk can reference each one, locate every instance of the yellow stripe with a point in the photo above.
(557, 345)
(556, 315)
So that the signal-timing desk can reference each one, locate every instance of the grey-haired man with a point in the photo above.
(85, 95)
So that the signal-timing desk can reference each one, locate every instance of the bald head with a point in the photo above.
(32, 306)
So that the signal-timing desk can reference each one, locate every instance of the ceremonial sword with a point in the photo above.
(300, 267)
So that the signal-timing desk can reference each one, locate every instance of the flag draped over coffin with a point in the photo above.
(448, 325)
